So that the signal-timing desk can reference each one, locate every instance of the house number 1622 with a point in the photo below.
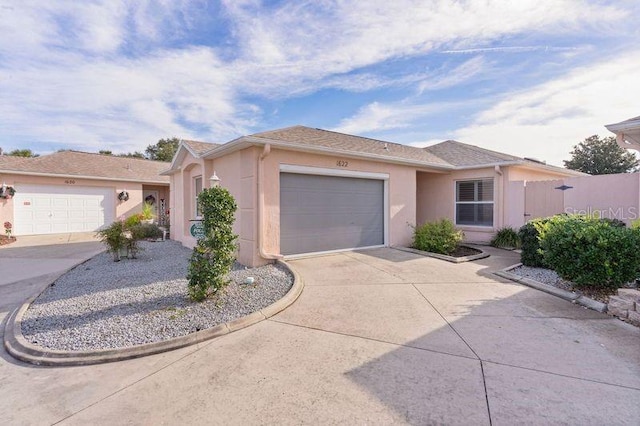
(342, 163)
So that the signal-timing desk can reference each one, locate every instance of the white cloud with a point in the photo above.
(105, 72)
(378, 116)
(546, 121)
(297, 45)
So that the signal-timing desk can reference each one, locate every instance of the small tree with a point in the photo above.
(598, 156)
(163, 150)
(23, 153)
(214, 254)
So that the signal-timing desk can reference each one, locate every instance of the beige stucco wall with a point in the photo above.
(436, 196)
(122, 208)
(401, 184)
(239, 174)
(413, 197)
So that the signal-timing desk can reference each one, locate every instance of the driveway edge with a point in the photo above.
(18, 347)
(563, 294)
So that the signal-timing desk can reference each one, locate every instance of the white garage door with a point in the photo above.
(53, 209)
(326, 213)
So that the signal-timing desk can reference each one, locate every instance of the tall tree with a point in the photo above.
(601, 156)
(163, 150)
(23, 153)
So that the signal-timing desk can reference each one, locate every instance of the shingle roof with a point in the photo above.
(630, 120)
(74, 163)
(301, 135)
(460, 154)
(199, 147)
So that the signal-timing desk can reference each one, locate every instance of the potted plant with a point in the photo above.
(148, 214)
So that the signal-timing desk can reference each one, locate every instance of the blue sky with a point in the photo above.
(530, 78)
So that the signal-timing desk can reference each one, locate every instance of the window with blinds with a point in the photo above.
(474, 202)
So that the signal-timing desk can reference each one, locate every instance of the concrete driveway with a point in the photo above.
(377, 337)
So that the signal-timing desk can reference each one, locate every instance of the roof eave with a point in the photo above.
(555, 169)
(625, 125)
(482, 166)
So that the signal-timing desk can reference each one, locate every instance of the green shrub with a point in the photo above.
(506, 237)
(132, 221)
(529, 236)
(591, 252)
(114, 238)
(214, 254)
(437, 237)
(142, 231)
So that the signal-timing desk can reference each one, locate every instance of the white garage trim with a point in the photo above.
(320, 171)
(53, 209)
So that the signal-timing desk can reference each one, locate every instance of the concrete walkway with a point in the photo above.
(377, 337)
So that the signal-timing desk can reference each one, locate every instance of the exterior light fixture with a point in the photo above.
(215, 180)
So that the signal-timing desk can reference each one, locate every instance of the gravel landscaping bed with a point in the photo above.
(548, 276)
(102, 304)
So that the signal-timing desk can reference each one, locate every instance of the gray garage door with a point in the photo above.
(321, 213)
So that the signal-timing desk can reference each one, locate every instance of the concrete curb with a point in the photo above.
(451, 259)
(18, 347)
(558, 292)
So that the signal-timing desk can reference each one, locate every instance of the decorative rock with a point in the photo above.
(620, 313)
(249, 280)
(102, 305)
(617, 302)
(634, 317)
(629, 294)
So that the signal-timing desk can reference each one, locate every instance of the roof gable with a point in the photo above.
(198, 148)
(87, 165)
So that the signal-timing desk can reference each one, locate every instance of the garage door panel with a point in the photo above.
(323, 213)
(47, 209)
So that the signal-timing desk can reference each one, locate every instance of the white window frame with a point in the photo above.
(195, 195)
(456, 202)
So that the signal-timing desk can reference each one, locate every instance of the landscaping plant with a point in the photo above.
(114, 238)
(529, 236)
(147, 212)
(506, 237)
(437, 237)
(214, 254)
(591, 252)
(8, 228)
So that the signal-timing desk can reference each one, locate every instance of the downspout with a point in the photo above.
(265, 151)
(501, 192)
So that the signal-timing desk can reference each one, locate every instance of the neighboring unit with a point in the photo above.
(302, 190)
(627, 133)
(71, 191)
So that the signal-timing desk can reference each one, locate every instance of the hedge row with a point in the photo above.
(589, 251)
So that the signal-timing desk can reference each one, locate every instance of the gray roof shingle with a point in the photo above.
(463, 155)
(199, 147)
(74, 163)
(301, 135)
